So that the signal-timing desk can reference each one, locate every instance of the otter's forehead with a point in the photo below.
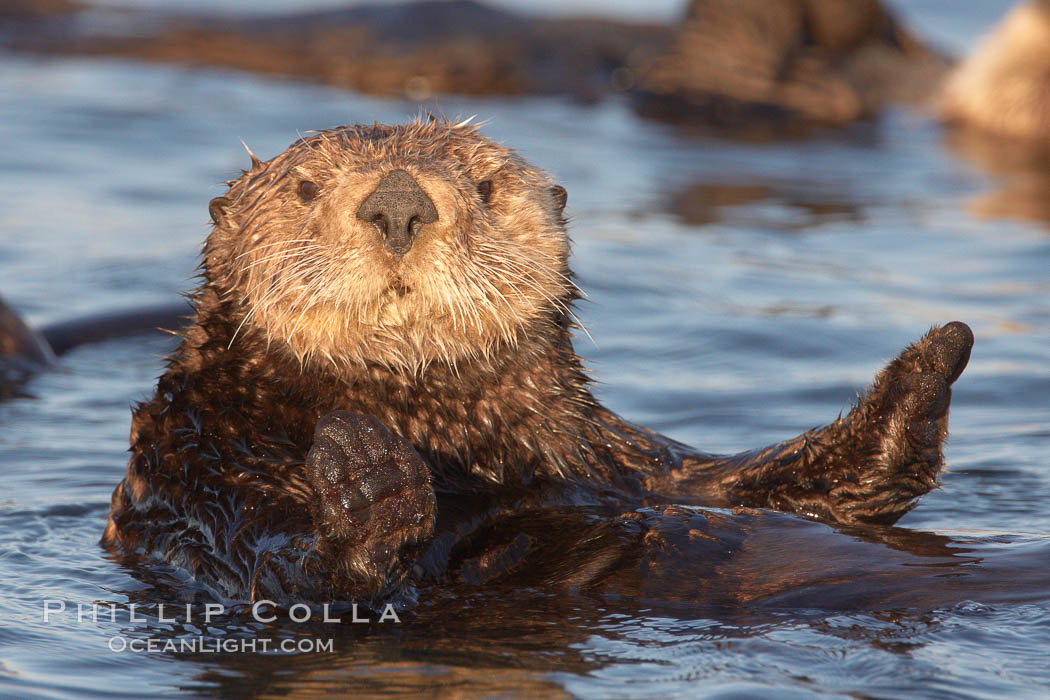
(456, 147)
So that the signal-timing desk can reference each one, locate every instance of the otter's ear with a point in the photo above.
(560, 197)
(217, 209)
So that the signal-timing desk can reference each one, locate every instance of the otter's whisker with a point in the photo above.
(289, 273)
(255, 249)
(283, 255)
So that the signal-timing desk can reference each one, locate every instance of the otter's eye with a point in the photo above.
(308, 190)
(485, 190)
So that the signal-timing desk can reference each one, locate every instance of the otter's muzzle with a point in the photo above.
(398, 208)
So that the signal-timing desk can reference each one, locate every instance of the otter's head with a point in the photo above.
(398, 246)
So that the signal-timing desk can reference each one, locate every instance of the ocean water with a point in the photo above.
(798, 270)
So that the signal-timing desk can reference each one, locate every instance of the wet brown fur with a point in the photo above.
(249, 473)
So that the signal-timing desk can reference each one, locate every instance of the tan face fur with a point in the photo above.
(320, 282)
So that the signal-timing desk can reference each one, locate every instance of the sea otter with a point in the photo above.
(748, 67)
(379, 391)
(1003, 87)
(774, 67)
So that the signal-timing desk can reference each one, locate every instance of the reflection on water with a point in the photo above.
(738, 294)
(785, 206)
(1019, 172)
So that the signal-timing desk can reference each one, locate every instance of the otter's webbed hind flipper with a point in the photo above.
(867, 467)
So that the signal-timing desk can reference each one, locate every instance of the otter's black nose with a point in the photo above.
(398, 208)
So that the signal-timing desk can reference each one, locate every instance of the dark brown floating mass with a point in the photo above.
(414, 50)
(737, 64)
(740, 64)
(22, 352)
(32, 10)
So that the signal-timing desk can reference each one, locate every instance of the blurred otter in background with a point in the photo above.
(414, 50)
(997, 105)
(1003, 87)
(23, 352)
(34, 10)
(740, 64)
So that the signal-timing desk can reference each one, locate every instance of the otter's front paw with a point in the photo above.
(374, 491)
